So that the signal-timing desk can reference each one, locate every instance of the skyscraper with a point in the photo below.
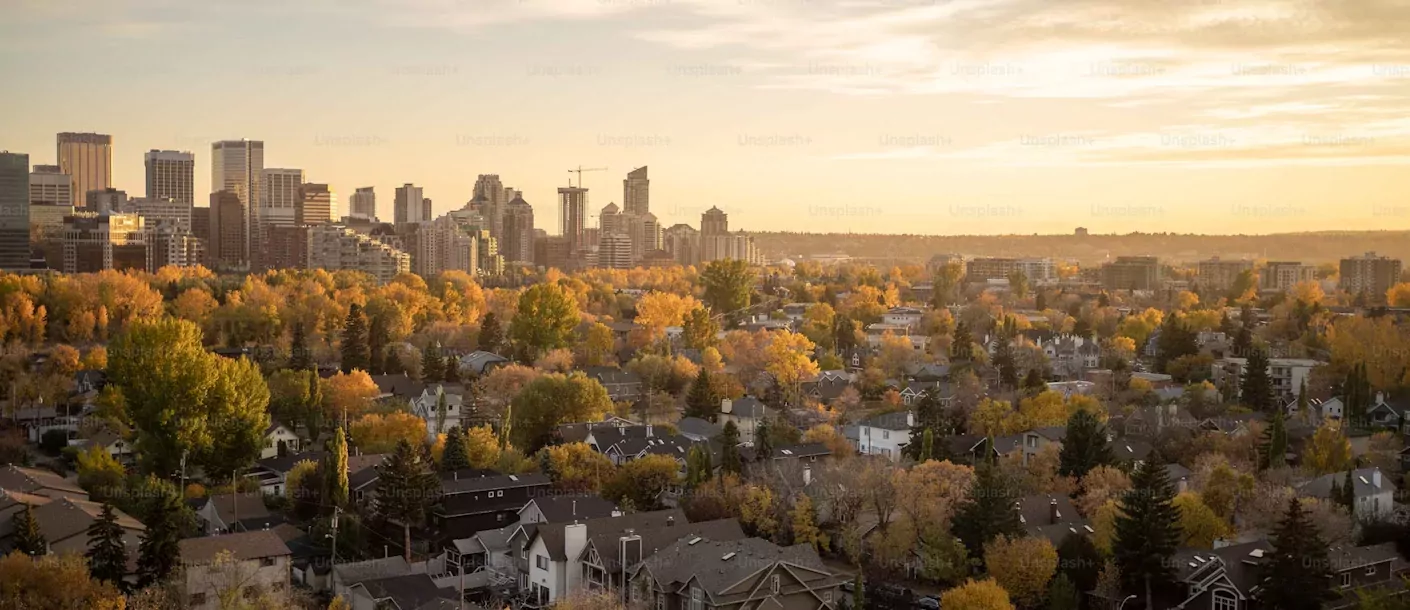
(614, 251)
(518, 242)
(237, 166)
(610, 219)
(88, 157)
(315, 205)
(106, 201)
(714, 222)
(48, 185)
(572, 203)
(279, 196)
(636, 197)
(491, 193)
(14, 211)
(363, 203)
(97, 242)
(226, 246)
(408, 205)
(171, 175)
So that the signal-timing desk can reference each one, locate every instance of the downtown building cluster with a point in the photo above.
(69, 217)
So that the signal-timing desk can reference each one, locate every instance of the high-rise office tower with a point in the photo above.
(645, 232)
(226, 245)
(636, 197)
(106, 201)
(426, 213)
(363, 203)
(714, 222)
(316, 203)
(237, 166)
(161, 212)
(610, 219)
(518, 242)
(491, 192)
(572, 203)
(97, 242)
(279, 196)
(408, 205)
(48, 185)
(14, 211)
(88, 157)
(171, 175)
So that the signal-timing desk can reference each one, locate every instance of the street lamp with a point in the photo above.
(1123, 602)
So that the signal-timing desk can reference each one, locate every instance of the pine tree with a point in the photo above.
(1084, 447)
(442, 410)
(300, 357)
(160, 551)
(491, 334)
(1296, 575)
(406, 489)
(431, 363)
(1274, 449)
(1257, 390)
(1243, 342)
(1062, 594)
(1147, 529)
(1004, 362)
(107, 558)
(28, 538)
(377, 340)
(355, 351)
(456, 455)
(1226, 325)
(335, 471)
(961, 347)
(1033, 383)
(702, 401)
(729, 449)
(450, 370)
(990, 510)
(763, 445)
(1303, 410)
(1348, 493)
(859, 596)
(927, 446)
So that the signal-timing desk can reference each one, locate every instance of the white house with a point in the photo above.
(903, 316)
(275, 434)
(1375, 494)
(427, 406)
(746, 413)
(876, 332)
(260, 562)
(885, 434)
(1287, 374)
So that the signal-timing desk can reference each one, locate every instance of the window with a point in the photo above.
(198, 599)
(265, 562)
(499, 517)
(541, 562)
(773, 584)
(1032, 441)
(1224, 600)
(697, 599)
(827, 597)
(885, 434)
(1370, 570)
(660, 601)
(1346, 579)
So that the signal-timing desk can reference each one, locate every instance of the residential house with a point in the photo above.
(879, 330)
(275, 435)
(89, 380)
(1051, 516)
(363, 475)
(473, 504)
(579, 432)
(914, 391)
(64, 522)
(746, 413)
(885, 434)
(610, 553)
(796, 311)
(1179, 475)
(1375, 494)
(621, 385)
(697, 429)
(480, 363)
(273, 472)
(109, 441)
(400, 385)
(1131, 451)
(407, 592)
(827, 385)
(39, 482)
(1038, 440)
(258, 561)
(1229, 578)
(1319, 410)
(564, 509)
(344, 576)
(737, 575)
(231, 512)
(1389, 412)
(427, 406)
(552, 550)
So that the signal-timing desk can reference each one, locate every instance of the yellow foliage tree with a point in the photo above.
(790, 358)
(1200, 525)
(977, 595)
(375, 433)
(1022, 566)
(1329, 451)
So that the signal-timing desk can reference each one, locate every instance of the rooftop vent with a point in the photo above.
(513, 478)
(728, 556)
(694, 540)
(1256, 553)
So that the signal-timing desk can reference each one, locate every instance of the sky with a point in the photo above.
(874, 116)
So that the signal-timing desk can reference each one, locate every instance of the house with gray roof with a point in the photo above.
(607, 553)
(1375, 493)
(480, 363)
(552, 569)
(473, 504)
(621, 384)
(698, 429)
(885, 434)
(261, 557)
(736, 575)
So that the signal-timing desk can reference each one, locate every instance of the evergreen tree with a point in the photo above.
(28, 539)
(431, 363)
(990, 510)
(1147, 529)
(1256, 391)
(845, 331)
(763, 445)
(729, 449)
(961, 350)
(1040, 301)
(1176, 339)
(1033, 383)
(1062, 594)
(1004, 362)
(450, 370)
(335, 471)
(491, 334)
(300, 357)
(859, 596)
(1274, 449)
(1296, 575)
(1084, 447)
(1348, 492)
(107, 559)
(456, 455)
(1243, 342)
(1303, 407)
(702, 401)
(406, 489)
(377, 340)
(1226, 325)
(355, 351)
(1081, 560)
(160, 551)
(442, 410)
(1103, 300)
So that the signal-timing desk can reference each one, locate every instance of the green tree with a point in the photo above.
(356, 350)
(377, 340)
(160, 551)
(1273, 449)
(1062, 594)
(640, 482)
(1256, 390)
(1348, 492)
(988, 512)
(1147, 529)
(729, 449)
(699, 330)
(962, 347)
(1084, 447)
(491, 334)
(545, 321)
(859, 592)
(703, 400)
(763, 443)
(236, 412)
(28, 539)
(450, 371)
(431, 363)
(551, 400)
(1033, 383)
(1080, 561)
(406, 489)
(335, 471)
(300, 356)
(107, 559)
(456, 455)
(1296, 577)
(728, 286)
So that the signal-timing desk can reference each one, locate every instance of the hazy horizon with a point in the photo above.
(923, 117)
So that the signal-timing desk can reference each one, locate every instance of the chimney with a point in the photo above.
(1380, 398)
(1052, 512)
(630, 550)
(726, 406)
(807, 474)
(910, 419)
(575, 508)
(1376, 477)
(670, 520)
(648, 431)
(574, 540)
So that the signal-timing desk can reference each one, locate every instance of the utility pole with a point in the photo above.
(183, 472)
(333, 556)
(462, 583)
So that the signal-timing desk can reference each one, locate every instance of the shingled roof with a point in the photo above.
(243, 546)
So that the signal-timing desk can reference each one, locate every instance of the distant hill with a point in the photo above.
(1318, 247)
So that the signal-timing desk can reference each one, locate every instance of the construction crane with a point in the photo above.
(580, 171)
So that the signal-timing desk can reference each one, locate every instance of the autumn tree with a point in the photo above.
(576, 467)
(640, 482)
(728, 285)
(1329, 450)
(407, 489)
(802, 521)
(56, 582)
(977, 595)
(375, 433)
(545, 320)
(555, 399)
(356, 352)
(699, 330)
(1022, 566)
(347, 395)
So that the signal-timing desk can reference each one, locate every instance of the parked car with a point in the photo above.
(929, 602)
(889, 597)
